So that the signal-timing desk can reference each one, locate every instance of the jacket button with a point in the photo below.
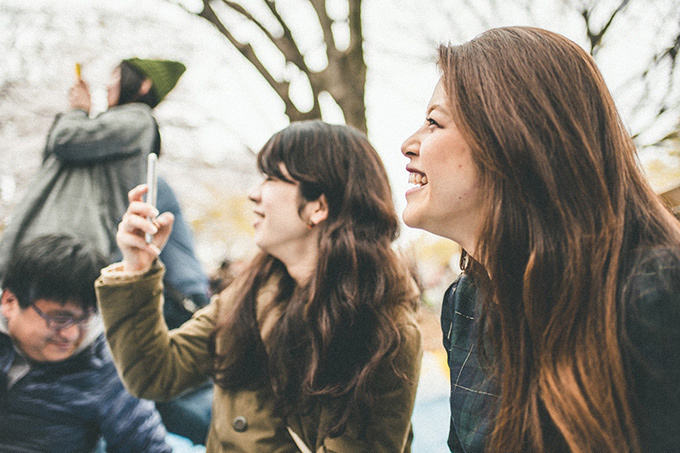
(240, 424)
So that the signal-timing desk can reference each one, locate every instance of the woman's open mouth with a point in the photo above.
(417, 179)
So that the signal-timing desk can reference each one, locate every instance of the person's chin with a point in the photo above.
(410, 217)
(58, 353)
(263, 246)
(257, 239)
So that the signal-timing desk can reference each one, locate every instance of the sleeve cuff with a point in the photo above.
(115, 273)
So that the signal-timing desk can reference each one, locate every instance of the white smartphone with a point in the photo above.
(152, 182)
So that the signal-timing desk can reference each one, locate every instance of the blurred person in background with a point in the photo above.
(89, 166)
(314, 346)
(59, 390)
(563, 332)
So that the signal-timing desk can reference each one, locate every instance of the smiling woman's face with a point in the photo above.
(446, 198)
(281, 227)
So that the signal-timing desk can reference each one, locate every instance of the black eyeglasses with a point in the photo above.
(60, 322)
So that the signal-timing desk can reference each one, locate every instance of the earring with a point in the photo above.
(310, 225)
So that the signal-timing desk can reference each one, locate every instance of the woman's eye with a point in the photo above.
(431, 122)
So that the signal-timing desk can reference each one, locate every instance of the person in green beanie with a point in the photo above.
(89, 166)
(90, 163)
(138, 80)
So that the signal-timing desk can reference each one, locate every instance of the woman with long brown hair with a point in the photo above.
(563, 332)
(315, 346)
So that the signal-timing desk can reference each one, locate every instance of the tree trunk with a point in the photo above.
(344, 78)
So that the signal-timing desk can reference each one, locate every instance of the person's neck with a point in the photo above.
(300, 264)
(301, 272)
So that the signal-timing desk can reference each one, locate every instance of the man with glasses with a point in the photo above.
(59, 390)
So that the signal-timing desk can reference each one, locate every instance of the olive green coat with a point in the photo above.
(157, 364)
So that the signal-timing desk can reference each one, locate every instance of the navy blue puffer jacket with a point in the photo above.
(68, 406)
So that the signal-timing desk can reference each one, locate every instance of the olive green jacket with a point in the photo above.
(157, 364)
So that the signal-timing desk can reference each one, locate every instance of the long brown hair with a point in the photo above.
(567, 208)
(334, 333)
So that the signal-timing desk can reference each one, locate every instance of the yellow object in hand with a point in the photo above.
(78, 70)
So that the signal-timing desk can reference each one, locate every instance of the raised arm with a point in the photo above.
(120, 132)
(154, 363)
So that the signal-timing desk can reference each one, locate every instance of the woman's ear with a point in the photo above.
(319, 210)
(146, 86)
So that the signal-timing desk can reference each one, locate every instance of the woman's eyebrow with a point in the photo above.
(437, 106)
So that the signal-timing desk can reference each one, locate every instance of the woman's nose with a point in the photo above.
(411, 145)
(254, 194)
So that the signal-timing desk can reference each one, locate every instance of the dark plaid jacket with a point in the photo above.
(473, 396)
(652, 354)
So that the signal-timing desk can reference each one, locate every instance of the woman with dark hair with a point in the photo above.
(314, 347)
(563, 331)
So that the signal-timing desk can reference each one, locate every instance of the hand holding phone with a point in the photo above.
(131, 240)
(152, 183)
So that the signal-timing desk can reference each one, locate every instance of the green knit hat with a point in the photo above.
(164, 74)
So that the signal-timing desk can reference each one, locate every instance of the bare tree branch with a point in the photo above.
(343, 78)
(595, 37)
(326, 26)
(356, 34)
(346, 72)
(246, 50)
(286, 44)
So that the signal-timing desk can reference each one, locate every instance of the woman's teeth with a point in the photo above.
(417, 179)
